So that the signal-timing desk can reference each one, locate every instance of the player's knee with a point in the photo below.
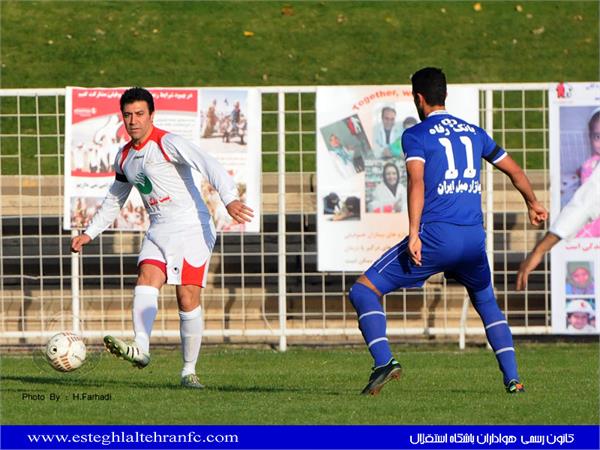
(151, 275)
(483, 295)
(188, 297)
(359, 292)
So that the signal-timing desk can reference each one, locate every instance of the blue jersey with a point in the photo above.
(452, 150)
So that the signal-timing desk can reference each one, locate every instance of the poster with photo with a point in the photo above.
(574, 117)
(230, 130)
(360, 163)
(94, 132)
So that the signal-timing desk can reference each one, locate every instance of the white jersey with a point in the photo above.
(583, 207)
(162, 170)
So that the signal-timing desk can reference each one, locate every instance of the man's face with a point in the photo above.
(137, 120)
(389, 118)
(419, 105)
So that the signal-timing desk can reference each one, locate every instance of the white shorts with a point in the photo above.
(182, 254)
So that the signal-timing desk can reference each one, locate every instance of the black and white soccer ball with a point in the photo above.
(65, 351)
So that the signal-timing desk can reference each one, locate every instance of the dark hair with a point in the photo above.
(430, 82)
(137, 94)
(387, 108)
(352, 204)
(385, 167)
(595, 117)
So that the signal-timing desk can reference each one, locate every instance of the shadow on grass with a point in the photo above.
(274, 389)
(81, 383)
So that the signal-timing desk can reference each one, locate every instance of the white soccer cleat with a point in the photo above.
(129, 352)
(191, 381)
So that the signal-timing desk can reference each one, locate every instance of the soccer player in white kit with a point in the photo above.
(583, 207)
(178, 244)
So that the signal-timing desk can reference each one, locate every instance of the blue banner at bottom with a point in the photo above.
(300, 437)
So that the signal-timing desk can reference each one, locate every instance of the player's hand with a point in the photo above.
(537, 213)
(414, 249)
(528, 264)
(79, 241)
(240, 212)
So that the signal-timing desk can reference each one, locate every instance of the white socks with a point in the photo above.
(145, 307)
(191, 327)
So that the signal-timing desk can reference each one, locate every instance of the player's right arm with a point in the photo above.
(416, 200)
(414, 149)
(108, 211)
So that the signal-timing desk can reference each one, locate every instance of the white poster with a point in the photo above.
(94, 132)
(231, 132)
(361, 174)
(574, 153)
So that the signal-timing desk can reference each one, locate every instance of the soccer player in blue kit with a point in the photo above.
(443, 161)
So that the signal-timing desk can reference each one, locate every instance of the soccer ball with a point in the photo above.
(65, 351)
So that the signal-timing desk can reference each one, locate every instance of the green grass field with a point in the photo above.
(440, 385)
(202, 43)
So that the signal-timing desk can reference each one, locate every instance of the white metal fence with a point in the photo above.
(262, 287)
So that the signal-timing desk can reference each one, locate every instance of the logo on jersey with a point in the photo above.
(448, 125)
(143, 184)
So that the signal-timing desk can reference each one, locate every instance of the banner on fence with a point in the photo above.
(574, 113)
(361, 174)
(231, 132)
(94, 132)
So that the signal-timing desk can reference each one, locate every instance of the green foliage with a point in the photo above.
(171, 43)
(440, 385)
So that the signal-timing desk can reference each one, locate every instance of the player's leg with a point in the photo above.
(151, 277)
(473, 272)
(188, 270)
(366, 299)
(391, 271)
(498, 334)
(191, 327)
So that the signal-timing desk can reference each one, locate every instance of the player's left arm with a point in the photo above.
(537, 213)
(185, 152)
(534, 258)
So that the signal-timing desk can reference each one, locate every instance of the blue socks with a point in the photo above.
(497, 331)
(372, 322)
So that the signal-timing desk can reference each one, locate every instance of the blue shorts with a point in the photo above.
(456, 250)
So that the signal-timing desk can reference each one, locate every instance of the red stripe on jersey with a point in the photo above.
(158, 139)
(156, 136)
(192, 275)
(155, 262)
(124, 153)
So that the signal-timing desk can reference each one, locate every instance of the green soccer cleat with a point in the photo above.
(514, 387)
(191, 381)
(381, 375)
(129, 352)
